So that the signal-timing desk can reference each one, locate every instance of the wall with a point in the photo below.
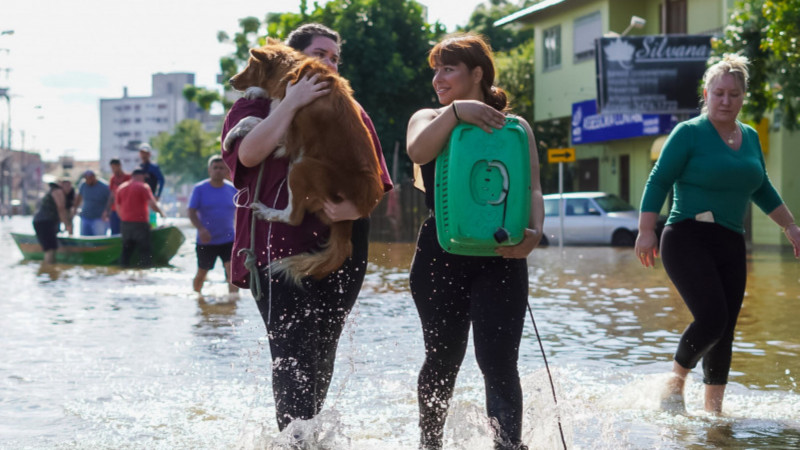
(782, 160)
(557, 89)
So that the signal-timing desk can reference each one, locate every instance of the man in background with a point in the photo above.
(133, 199)
(118, 176)
(92, 199)
(153, 176)
(211, 210)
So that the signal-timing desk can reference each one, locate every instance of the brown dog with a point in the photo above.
(331, 152)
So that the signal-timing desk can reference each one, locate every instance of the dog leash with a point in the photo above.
(550, 376)
(250, 260)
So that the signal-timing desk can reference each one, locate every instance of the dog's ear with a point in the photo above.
(272, 41)
(261, 53)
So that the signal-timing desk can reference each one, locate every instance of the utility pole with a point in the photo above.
(5, 154)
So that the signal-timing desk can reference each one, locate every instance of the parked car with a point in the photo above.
(591, 218)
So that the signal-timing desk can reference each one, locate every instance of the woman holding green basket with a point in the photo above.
(454, 290)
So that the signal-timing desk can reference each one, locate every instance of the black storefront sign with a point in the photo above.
(650, 74)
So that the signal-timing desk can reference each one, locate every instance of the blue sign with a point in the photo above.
(588, 126)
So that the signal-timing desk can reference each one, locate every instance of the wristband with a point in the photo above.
(455, 111)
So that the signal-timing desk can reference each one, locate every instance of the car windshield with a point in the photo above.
(612, 203)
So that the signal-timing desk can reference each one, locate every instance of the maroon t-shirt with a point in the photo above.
(277, 238)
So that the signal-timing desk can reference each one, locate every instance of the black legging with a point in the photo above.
(304, 328)
(707, 264)
(451, 292)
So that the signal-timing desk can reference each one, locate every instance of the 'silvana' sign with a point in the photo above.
(650, 74)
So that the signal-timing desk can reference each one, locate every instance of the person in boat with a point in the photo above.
(118, 176)
(454, 293)
(69, 197)
(134, 197)
(211, 211)
(92, 199)
(52, 212)
(153, 176)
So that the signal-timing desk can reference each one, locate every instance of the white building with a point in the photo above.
(127, 122)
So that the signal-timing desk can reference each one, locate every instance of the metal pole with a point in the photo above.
(561, 205)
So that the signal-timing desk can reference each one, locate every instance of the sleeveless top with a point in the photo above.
(48, 210)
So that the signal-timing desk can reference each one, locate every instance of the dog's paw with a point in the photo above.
(270, 214)
(280, 152)
(254, 92)
(239, 131)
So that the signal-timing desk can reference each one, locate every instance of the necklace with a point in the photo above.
(732, 137)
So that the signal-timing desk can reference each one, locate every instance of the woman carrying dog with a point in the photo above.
(304, 321)
(454, 292)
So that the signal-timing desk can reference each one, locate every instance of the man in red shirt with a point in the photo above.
(118, 176)
(133, 198)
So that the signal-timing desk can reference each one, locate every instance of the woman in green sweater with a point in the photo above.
(715, 167)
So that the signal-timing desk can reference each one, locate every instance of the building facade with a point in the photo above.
(128, 122)
(565, 78)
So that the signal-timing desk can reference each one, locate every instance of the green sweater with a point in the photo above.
(707, 175)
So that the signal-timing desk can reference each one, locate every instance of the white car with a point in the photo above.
(590, 218)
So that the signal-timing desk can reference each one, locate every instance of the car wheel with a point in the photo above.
(623, 238)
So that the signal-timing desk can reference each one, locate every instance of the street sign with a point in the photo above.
(560, 155)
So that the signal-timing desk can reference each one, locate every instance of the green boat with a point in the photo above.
(102, 250)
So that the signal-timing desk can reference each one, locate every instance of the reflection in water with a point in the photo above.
(98, 357)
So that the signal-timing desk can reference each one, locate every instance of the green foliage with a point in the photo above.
(202, 96)
(767, 32)
(185, 152)
(503, 38)
(515, 76)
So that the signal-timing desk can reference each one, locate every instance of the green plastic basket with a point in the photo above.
(483, 189)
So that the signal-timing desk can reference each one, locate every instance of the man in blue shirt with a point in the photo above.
(153, 176)
(92, 199)
(211, 210)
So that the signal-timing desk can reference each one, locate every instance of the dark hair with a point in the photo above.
(473, 51)
(214, 159)
(114, 161)
(301, 37)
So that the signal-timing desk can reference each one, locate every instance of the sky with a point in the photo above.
(65, 55)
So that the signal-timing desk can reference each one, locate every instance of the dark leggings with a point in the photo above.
(304, 326)
(451, 293)
(707, 264)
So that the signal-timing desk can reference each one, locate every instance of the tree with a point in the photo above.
(767, 32)
(185, 152)
(504, 38)
(202, 96)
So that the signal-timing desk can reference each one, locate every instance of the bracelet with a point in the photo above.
(455, 111)
(787, 226)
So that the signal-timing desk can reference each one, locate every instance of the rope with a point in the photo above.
(550, 376)
(250, 260)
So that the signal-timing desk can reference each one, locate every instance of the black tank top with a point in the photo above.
(48, 210)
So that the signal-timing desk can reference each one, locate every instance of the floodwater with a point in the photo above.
(104, 358)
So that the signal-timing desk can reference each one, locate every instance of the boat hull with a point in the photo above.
(102, 250)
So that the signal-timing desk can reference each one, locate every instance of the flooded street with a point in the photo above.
(100, 357)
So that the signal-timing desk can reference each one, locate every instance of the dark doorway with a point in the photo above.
(625, 177)
(587, 174)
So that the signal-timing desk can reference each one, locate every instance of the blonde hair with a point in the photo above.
(731, 63)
